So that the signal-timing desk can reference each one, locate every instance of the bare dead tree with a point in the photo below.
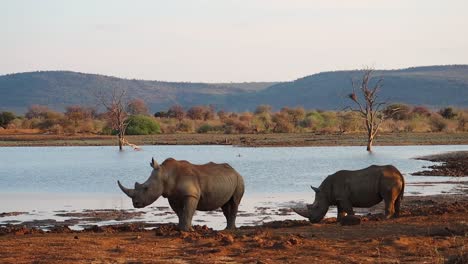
(368, 106)
(116, 107)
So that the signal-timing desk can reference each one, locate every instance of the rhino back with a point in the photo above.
(364, 187)
(217, 182)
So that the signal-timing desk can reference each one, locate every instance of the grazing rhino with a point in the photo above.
(190, 187)
(361, 188)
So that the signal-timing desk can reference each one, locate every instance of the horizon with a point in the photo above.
(226, 82)
(229, 41)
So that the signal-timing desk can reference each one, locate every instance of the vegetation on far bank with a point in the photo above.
(78, 120)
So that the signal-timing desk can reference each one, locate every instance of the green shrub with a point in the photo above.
(313, 120)
(6, 118)
(142, 125)
(206, 128)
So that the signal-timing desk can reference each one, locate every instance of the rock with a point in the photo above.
(350, 220)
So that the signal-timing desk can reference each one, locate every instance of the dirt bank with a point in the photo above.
(252, 140)
(432, 229)
(454, 164)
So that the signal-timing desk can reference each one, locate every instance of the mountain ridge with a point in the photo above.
(433, 86)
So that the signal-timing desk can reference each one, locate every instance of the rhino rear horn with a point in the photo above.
(154, 164)
(315, 189)
(129, 192)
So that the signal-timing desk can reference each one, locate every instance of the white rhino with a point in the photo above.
(190, 187)
(361, 188)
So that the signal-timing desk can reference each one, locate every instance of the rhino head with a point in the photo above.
(146, 193)
(316, 211)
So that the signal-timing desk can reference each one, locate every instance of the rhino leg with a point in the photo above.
(341, 213)
(390, 205)
(231, 207)
(186, 215)
(230, 212)
(346, 207)
(397, 207)
(177, 207)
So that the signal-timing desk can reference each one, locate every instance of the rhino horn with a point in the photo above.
(154, 164)
(302, 211)
(137, 185)
(315, 189)
(128, 192)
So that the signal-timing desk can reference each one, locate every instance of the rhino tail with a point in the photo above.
(402, 187)
(400, 195)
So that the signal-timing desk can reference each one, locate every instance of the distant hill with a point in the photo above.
(432, 86)
(58, 89)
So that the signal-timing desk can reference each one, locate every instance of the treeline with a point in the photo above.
(205, 119)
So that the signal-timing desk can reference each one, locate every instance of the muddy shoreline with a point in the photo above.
(431, 229)
(453, 164)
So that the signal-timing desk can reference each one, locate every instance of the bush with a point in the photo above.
(421, 111)
(438, 123)
(142, 125)
(56, 129)
(185, 126)
(349, 122)
(462, 122)
(398, 111)
(313, 120)
(6, 118)
(206, 128)
(282, 124)
(107, 131)
(262, 122)
(448, 113)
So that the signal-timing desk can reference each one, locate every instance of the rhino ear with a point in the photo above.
(154, 164)
(317, 190)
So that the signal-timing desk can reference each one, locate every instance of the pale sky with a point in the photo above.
(229, 40)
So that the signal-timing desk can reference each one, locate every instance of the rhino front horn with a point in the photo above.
(128, 192)
(304, 212)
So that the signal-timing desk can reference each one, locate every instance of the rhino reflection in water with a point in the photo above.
(190, 187)
(360, 188)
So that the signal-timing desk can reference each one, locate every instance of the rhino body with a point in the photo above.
(190, 187)
(361, 188)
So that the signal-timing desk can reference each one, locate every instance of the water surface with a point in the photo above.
(48, 179)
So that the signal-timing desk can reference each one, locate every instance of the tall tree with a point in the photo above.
(368, 106)
(117, 116)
